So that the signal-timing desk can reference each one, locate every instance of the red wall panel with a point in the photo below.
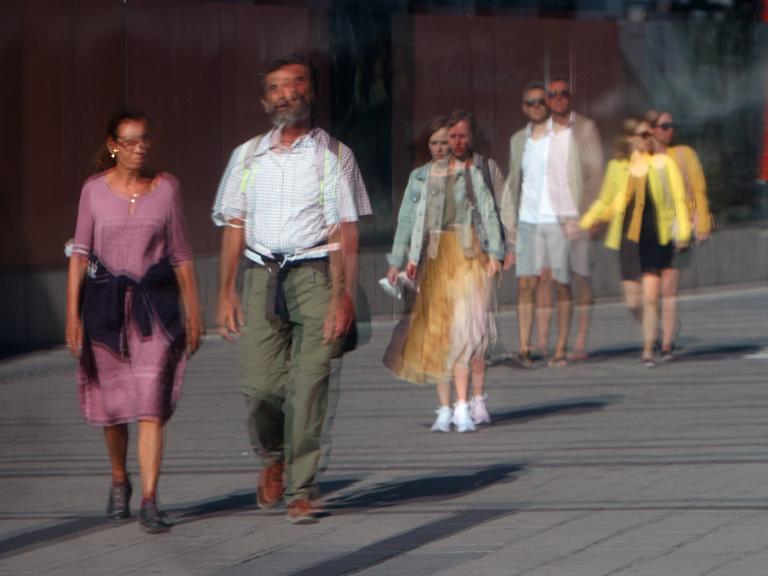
(483, 64)
(68, 64)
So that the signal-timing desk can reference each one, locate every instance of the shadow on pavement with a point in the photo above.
(717, 352)
(426, 488)
(564, 407)
(241, 501)
(182, 514)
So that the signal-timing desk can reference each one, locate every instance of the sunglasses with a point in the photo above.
(644, 135)
(559, 94)
(665, 126)
(534, 102)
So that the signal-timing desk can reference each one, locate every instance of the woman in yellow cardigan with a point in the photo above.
(643, 202)
(663, 130)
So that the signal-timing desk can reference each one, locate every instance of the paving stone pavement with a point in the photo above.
(602, 468)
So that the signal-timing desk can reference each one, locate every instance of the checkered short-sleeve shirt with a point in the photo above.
(288, 198)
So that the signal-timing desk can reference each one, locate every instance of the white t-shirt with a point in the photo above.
(535, 206)
(558, 187)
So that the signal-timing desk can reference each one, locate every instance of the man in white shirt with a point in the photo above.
(289, 201)
(534, 212)
(576, 173)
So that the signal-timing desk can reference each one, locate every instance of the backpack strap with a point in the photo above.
(486, 169)
(335, 148)
(250, 154)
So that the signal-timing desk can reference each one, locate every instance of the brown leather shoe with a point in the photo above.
(301, 512)
(270, 489)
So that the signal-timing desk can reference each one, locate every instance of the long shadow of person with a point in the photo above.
(426, 488)
(564, 407)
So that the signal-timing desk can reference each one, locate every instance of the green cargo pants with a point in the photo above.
(287, 366)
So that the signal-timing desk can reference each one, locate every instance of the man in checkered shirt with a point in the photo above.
(289, 200)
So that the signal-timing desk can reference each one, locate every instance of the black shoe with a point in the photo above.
(152, 520)
(119, 502)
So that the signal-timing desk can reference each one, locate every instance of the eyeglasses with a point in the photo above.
(559, 94)
(535, 102)
(131, 143)
(665, 126)
(644, 135)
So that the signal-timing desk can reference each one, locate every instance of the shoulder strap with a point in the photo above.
(250, 154)
(335, 148)
(486, 168)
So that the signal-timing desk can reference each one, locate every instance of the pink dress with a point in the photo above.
(144, 382)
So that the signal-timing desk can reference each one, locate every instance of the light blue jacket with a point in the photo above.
(405, 218)
(428, 215)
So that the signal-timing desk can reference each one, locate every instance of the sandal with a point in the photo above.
(524, 359)
(558, 362)
(578, 356)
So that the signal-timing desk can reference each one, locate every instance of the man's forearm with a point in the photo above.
(231, 248)
(350, 241)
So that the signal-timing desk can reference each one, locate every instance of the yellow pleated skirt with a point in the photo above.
(452, 317)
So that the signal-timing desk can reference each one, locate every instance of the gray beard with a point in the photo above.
(291, 117)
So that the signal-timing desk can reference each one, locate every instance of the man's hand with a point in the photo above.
(230, 317)
(571, 228)
(392, 275)
(509, 259)
(493, 267)
(345, 315)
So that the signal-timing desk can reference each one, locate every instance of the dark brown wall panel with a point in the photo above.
(68, 64)
(173, 72)
(254, 36)
(484, 63)
(13, 249)
(72, 78)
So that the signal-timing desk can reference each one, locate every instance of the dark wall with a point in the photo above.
(192, 66)
(482, 64)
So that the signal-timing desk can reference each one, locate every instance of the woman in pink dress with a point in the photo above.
(131, 278)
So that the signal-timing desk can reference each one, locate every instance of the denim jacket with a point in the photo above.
(429, 199)
(405, 218)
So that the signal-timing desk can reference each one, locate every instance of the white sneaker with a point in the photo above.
(443, 420)
(461, 418)
(478, 410)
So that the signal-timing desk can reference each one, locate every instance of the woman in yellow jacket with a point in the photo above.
(663, 130)
(643, 202)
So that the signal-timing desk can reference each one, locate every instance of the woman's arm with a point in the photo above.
(683, 219)
(601, 209)
(702, 217)
(185, 276)
(73, 332)
(486, 205)
(405, 217)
